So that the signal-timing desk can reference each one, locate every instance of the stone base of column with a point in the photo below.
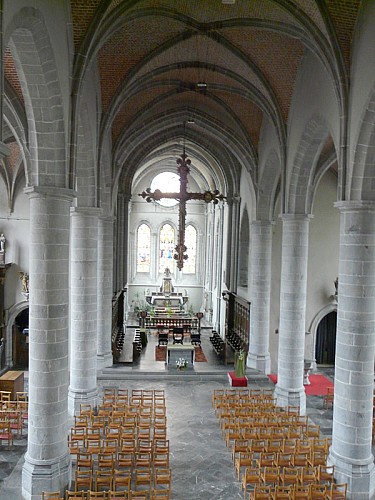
(289, 397)
(259, 362)
(77, 397)
(104, 360)
(360, 476)
(44, 475)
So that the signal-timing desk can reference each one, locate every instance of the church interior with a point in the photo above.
(187, 202)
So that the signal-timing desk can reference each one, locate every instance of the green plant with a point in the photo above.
(240, 363)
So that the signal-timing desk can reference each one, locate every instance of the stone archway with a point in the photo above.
(325, 341)
(314, 327)
(14, 311)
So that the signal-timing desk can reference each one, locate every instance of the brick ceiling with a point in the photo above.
(155, 51)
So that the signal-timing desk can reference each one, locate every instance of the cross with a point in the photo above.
(182, 196)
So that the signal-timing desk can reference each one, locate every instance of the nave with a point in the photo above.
(201, 464)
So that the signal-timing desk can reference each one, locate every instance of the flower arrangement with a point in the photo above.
(181, 363)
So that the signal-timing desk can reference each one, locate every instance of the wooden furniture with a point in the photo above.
(12, 381)
(177, 351)
(237, 326)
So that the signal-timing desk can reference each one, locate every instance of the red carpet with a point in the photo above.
(317, 387)
(161, 352)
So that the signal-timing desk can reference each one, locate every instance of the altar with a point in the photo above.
(178, 351)
(166, 297)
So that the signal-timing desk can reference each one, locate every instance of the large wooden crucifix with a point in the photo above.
(182, 197)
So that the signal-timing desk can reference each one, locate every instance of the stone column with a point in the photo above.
(83, 300)
(46, 464)
(119, 225)
(232, 255)
(261, 254)
(104, 291)
(289, 389)
(351, 451)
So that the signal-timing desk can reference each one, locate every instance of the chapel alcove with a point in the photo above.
(20, 340)
(325, 346)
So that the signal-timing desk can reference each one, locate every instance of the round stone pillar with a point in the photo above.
(351, 450)
(261, 252)
(289, 389)
(104, 292)
(46, 464)
(83, 308)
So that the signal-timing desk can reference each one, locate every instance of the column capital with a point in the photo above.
(86, 211)
(50, 192)
(296, 217)
(355, 206)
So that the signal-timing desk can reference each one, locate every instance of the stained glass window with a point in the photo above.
(143, 249)
(166, 248)
(191, 244)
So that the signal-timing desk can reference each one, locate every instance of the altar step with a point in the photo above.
(118, 372)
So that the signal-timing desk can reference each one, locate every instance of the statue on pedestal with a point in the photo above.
(2, 249)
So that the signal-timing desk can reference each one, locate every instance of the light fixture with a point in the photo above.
(201, 85)
(190, 121)
(228, 2)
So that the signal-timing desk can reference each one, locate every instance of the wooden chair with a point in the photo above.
(121, 480)
(97, 495)
(143, 477)
(75, 495)
(301, 492)
(162, 477)
(140, 495)
(106, 460)
(156, 494)
(261, 492)
(118, 495)
(308, 475)
(266, 459)
(317, 491)
(326, 473)
(103, 479)
(336, 491)
(51, 495)
(125, 460)
(6, 433)
(290, 475)
(271, 475)
(328, 398)
(282, 493)
(161, 460)
(83, 479)
(142, 460)
(244, 459)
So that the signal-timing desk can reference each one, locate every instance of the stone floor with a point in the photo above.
(201, 464)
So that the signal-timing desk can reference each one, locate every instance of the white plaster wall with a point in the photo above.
(15, 227)
(322, 262)
(313, 98)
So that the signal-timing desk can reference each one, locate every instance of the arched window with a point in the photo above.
(143, 249)
(243, 251)
(166, 248)
(191, 244)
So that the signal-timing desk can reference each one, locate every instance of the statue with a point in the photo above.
(336, 283)
(24, 277)
(2, 243)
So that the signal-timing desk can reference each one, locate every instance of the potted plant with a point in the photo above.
(240, 363)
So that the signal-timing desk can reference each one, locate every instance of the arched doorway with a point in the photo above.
(325, 346)
(20, 339)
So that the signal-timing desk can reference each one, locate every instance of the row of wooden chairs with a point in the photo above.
(298, 492)
(153, 494)
(282, 446)
(119, 480)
